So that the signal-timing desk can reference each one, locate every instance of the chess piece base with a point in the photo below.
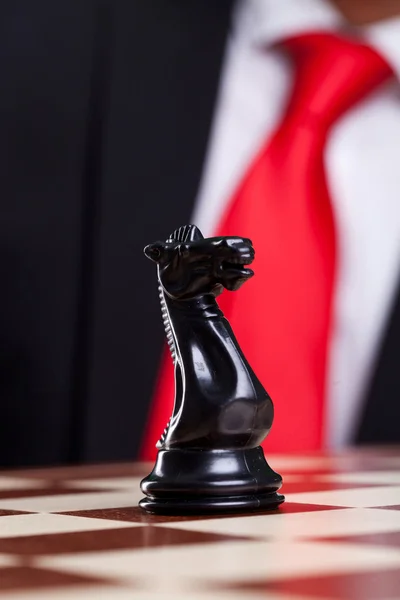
(211, 481)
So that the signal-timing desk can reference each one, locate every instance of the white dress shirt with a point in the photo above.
(362, 160)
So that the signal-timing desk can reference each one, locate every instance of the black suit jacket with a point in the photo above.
(105, 112)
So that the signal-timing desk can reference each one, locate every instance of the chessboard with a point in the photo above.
(76, 532)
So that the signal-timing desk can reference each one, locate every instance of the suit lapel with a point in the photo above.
(380, 421)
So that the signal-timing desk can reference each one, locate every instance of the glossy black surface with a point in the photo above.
(221, 410)
(203, 481)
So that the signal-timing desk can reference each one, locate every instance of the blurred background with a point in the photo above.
(121, 120)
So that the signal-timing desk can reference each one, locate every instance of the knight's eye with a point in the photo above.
(183, 249)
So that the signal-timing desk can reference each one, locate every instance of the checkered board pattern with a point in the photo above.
(77, 533)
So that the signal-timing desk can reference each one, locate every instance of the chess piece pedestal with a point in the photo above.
(211, 481)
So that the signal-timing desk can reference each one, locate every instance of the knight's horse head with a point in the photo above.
(190, 265)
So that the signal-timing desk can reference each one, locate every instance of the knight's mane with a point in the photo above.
(186, 233)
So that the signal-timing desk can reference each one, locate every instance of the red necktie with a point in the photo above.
(282, 318)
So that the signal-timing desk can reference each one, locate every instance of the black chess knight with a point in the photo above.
(209, 457)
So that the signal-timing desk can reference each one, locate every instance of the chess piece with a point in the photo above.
(209, 457)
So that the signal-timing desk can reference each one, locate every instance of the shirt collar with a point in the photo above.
(266, 22)
(385, 38)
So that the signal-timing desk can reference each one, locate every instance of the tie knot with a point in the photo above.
(332, 74)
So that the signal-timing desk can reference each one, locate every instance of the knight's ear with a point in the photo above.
(154, 251)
